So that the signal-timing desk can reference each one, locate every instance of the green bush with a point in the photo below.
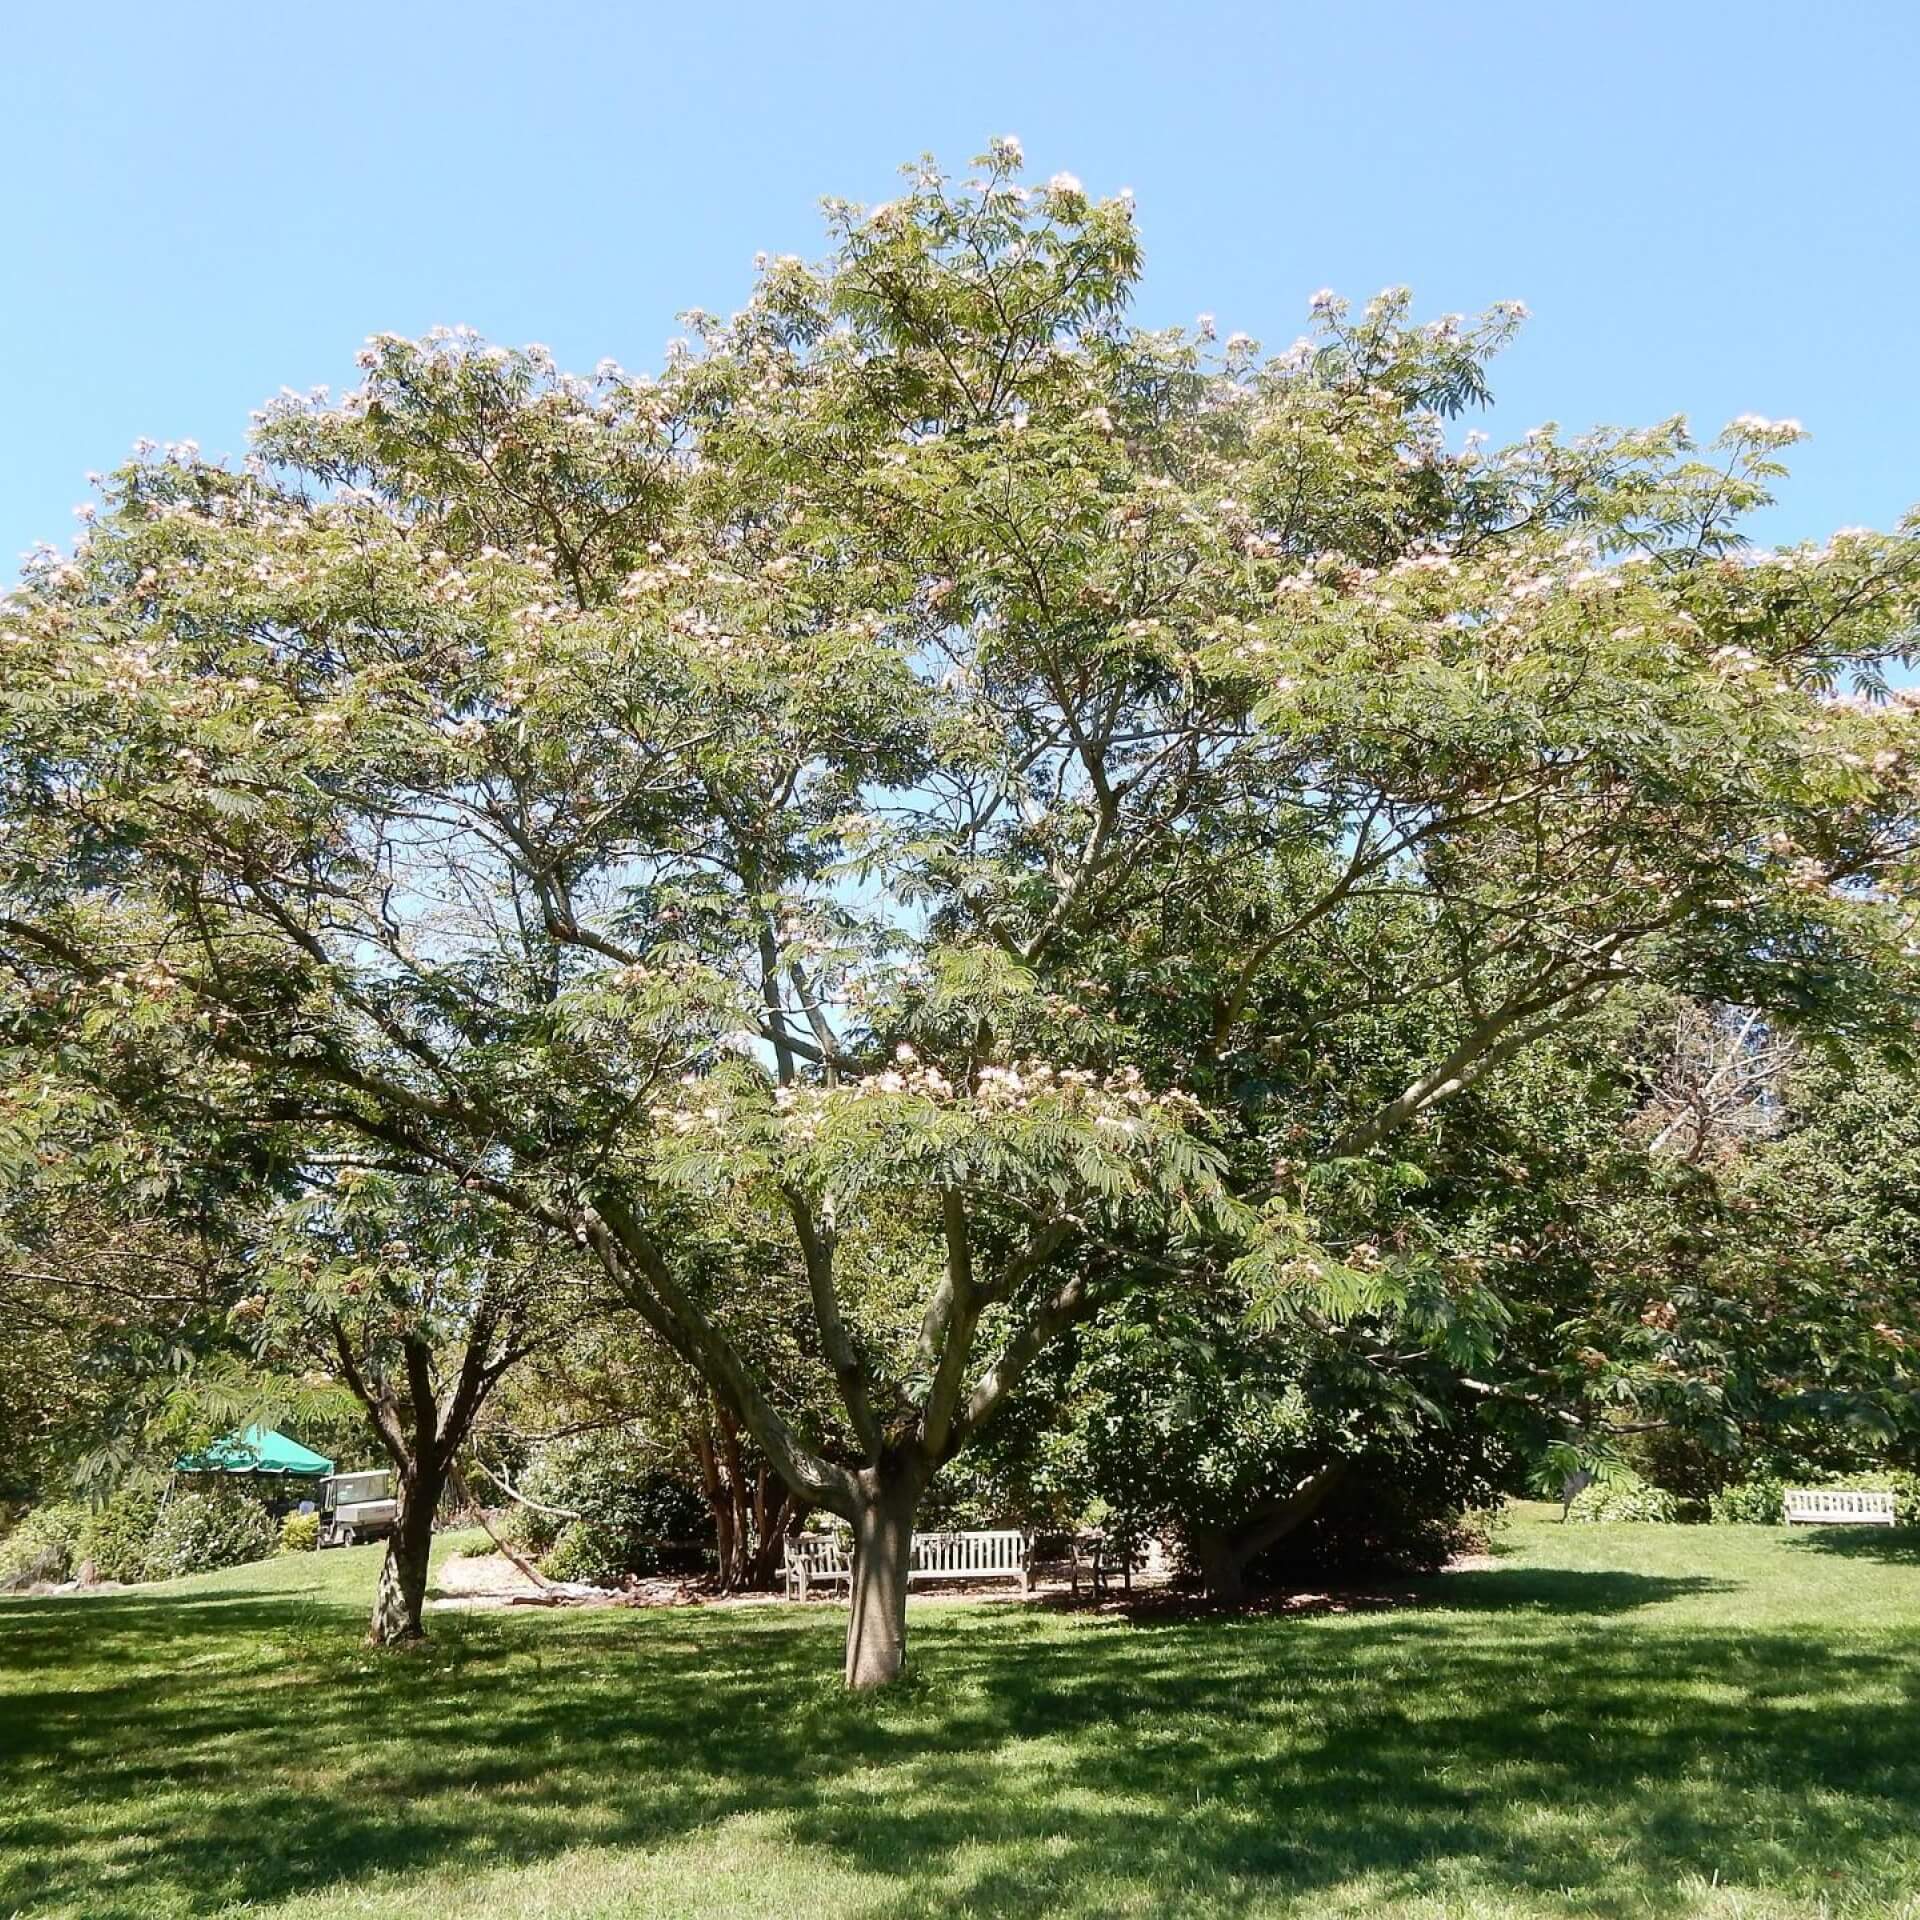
(626, 1507)
(117, 1533)
(300, 1533)
(1753, 1503)
(1760, 1502)
(586, 1551)
(42, 1546)
(1627, 1498)
(199, 1531)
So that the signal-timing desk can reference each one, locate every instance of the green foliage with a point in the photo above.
(1750, 1503)
(627, 1508)
(299, 1533)
(941, 808)
(595, 1553)
(118, 1536)
(42, 1545)
(1625, 1497)
(1414, 1500)
(1761, 1502)
(201, 1529)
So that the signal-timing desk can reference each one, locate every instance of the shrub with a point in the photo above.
(199, 1531)
(300, 1533)
(42, 1546)
(1627, 1498)
(584, 1551)
(115, 1539)
(1411, 1502)
(1760, 1502)
(626, 1508)
(1752, 1503)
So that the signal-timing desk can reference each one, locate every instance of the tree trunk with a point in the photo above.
(882, 1545)
(402, 1591)
(1222, 1555)
(1221, 1566)
(780, 1517)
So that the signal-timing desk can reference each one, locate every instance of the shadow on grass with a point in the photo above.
(165, 1756)
(1545, 1589)
(1894, 1546)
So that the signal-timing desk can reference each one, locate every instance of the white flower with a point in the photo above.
(1008, 150)
(1065, 183)
(1325, 301)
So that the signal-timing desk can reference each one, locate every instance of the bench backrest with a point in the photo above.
(818, 1553)
(1838, 1504)
(1001, 1551)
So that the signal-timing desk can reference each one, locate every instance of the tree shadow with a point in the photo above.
(1891, 1546)
(244, 1749)
(1479, 1589)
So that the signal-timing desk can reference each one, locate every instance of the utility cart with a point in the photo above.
(356, 1507)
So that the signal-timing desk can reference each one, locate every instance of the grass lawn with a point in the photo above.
(1613, 1720)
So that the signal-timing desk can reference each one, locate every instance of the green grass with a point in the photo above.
(1613, 1720)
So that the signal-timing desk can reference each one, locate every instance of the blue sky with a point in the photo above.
(1709, 206)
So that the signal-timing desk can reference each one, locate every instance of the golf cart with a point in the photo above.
(355, 1507)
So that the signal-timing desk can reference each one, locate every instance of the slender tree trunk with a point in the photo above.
(882, 1545)
(780, 1516)
(402, 1591)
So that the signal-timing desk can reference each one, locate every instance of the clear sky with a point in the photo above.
(1710, 205)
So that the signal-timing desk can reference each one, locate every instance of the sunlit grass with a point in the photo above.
(1611, 1720)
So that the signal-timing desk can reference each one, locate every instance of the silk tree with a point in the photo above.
(889, 787)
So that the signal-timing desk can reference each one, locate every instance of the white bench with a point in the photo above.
(1837, 1507)
(821, 1559)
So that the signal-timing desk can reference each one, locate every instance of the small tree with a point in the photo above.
(419, 1300)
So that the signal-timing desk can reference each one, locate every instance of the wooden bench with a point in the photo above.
(1837, 1507)
(815, 1560)
(822, 1559)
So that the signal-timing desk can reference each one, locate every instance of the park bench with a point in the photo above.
(823, 1559)
(1837, 1507)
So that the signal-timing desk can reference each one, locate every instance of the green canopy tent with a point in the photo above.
(257, 1451)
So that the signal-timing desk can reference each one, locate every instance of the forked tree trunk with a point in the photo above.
(402, 1592)
(777, 1516)
(882, 1547)
(1221, 1555)
(752, 1512)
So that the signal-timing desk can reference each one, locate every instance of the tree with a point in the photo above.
(101, 1316)
(941, 780)
(616, 1380)
(418, 1299)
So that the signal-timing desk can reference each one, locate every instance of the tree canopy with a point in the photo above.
(940, 803)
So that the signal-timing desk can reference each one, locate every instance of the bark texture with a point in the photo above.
(753, 1511)
(882, 1547)
(402, 1591)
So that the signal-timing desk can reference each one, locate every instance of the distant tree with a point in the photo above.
(941, 778)
(419, 1299)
